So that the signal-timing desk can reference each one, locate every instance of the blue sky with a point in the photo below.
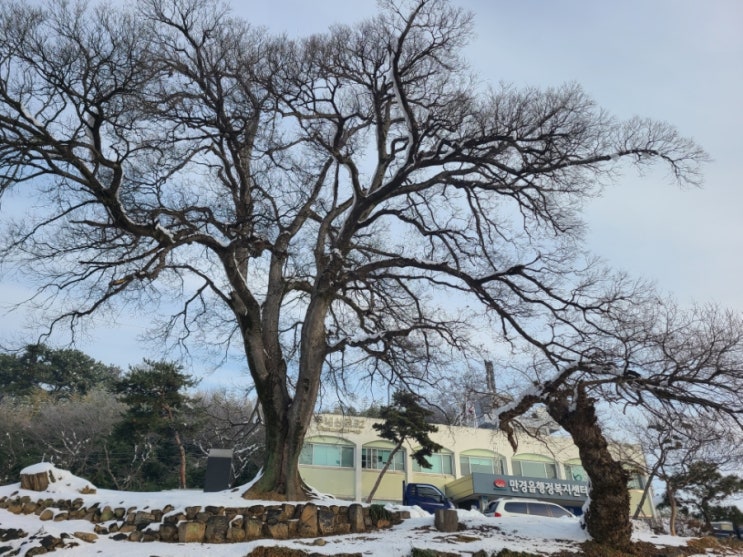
(679, 61)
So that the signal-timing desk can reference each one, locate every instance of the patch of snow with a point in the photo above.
(60, 481)
(528, 533)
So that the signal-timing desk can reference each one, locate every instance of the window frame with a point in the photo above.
(497, 464)
(433, 470)
(518, 468)
(368, 455)
(342, 448)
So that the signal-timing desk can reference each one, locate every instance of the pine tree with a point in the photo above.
(405, 419)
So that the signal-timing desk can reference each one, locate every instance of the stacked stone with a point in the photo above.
(211, 524)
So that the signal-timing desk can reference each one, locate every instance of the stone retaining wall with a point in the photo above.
(212, 524)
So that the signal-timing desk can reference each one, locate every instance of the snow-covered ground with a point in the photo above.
(544, 535)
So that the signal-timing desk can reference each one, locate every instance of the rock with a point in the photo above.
(119, 537)
(50, 542)
(276, 531)
(356, 518)
(274, 515)
(325, 521)
(288, 510)
(446, 520)
(253, 528)
(8, 534)
(263, 551)
(191, 532)
(143, 517)
(150, 536)
(236, 533)
(342, 529)
(293, 526)
(307, 527)
(85, 536)
(46, 514)
(216, 529)
(169, 532)
(191, 512)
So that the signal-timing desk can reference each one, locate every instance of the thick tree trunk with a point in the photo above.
(281, 479)
(286, 416)
(607, 518)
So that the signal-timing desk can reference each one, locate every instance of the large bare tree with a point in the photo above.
(324, 203)
(674, 366)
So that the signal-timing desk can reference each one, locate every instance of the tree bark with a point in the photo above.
(182, 455)
(287, 416)
(181, 449)
(281, 480)
(607, 517)
(671, 496)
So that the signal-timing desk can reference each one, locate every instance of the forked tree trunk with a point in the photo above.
(281, 479)
(287, 416)
(607, 518)
(284, 437)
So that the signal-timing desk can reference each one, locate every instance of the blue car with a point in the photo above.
(725, 529)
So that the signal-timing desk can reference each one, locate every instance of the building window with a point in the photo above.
(375, 459)
(481, 464)
(321, 454)
(534, 469)
(575, 472)
(441, 463)
(636, 481)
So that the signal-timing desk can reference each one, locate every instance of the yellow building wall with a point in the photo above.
(634, 498)
(390, 488)
(439, 480)
(338, 482)
(356, 483)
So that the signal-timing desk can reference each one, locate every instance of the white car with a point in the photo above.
(520, 507)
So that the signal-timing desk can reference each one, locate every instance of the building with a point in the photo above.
(343, 455)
